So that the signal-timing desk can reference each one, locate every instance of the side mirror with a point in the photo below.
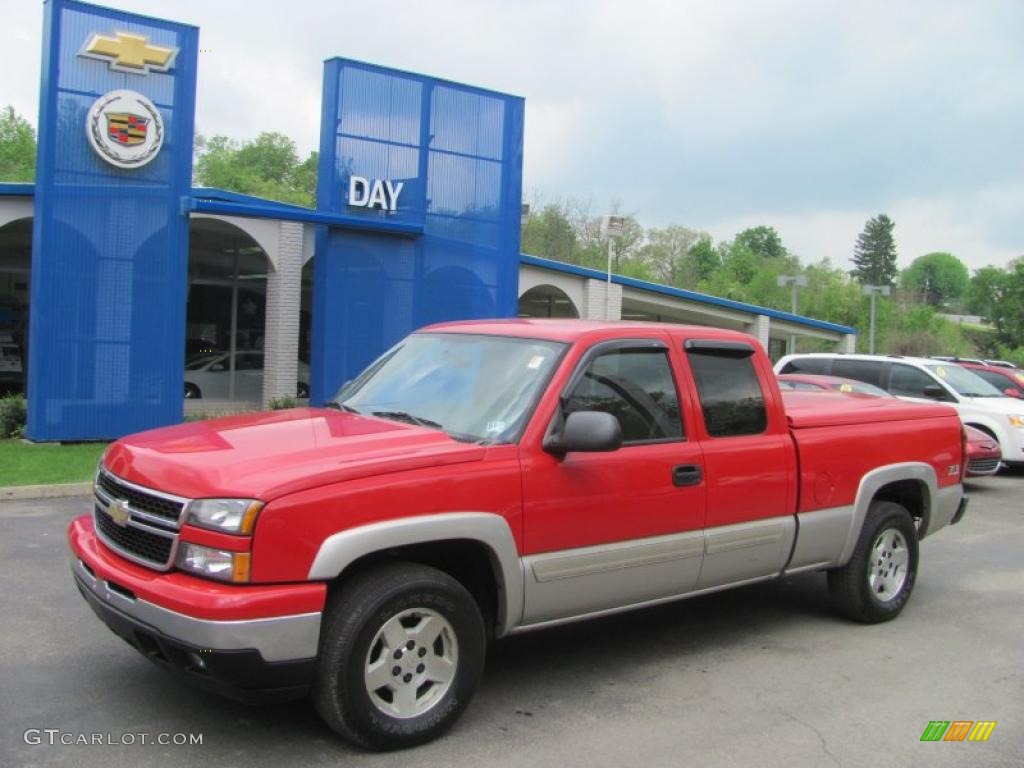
(586, 431)
(1011, 392)
(935, 392)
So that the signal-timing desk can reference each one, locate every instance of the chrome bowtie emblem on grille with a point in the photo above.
(119, 513)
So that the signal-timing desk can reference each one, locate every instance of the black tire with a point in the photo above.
(192, 392)
(355, 615)
(851, 586)
(302, 390)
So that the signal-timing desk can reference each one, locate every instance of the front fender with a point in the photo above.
(492, 531)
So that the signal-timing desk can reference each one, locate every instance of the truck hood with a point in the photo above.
(268, 455)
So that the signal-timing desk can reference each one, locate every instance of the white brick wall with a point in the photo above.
(594, 308)
(847, 344)
(760, 329)
(284, 297)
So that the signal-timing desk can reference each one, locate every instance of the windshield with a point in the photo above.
(964, 382)
(477, 388)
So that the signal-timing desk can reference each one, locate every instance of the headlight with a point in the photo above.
(1016, 421)
(214, 563)
(225, 515)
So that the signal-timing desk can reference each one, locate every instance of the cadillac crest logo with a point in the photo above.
(125, 129)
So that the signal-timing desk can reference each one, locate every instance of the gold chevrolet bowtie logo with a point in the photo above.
(126, 52)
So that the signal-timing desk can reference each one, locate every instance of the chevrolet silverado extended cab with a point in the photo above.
(492, 477)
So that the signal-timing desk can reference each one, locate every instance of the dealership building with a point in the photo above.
(128, 297)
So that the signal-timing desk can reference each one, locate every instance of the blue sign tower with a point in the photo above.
(429, 172)
(110, 237)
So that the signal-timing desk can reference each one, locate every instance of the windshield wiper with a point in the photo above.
(340, 406)
(404, 416)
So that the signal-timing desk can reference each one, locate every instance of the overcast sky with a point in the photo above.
(807, 115)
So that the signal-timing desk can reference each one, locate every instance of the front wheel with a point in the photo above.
(876, 584)
(401, 653)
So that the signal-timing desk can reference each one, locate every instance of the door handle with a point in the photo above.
(686, 474)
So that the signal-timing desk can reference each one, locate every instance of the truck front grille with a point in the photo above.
(142, 545)
(148, 502)
(138, 523)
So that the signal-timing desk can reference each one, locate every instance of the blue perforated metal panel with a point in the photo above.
(110, 245)
(458, 151)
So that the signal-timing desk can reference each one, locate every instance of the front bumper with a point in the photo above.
(246, 657)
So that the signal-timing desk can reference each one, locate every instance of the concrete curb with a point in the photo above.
(19, 492)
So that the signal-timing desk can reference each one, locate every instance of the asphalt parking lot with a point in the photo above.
(762, 676)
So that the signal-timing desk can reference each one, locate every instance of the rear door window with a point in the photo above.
(730, 393)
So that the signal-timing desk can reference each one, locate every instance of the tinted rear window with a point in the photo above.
(730, 394)
(807, 365)
(861, 370)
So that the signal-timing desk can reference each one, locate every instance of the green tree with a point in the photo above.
(874, 256)
(705, 258)
(938, 278)
(267, 166)
(1008, 314)
(17, 147)
(549, 233)
(762, 241)
(667, 254)
(985, 291)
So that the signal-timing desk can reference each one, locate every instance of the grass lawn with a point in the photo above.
(25, 464)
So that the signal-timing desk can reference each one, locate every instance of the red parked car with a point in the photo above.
(983, 453)
(812, 381)
(1009, 381)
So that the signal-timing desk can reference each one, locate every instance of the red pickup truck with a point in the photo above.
(493, 477)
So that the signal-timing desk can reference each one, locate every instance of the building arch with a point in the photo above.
(15, 209)
(15, 270)
(229, 274)
(547, 300)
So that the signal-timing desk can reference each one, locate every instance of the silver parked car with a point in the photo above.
(209, 376)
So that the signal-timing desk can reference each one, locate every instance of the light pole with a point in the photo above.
(872, 291)
(797, 281)
(612, 228)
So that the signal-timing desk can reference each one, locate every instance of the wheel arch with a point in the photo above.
(469, 546)
(910, 484)
(984, 428)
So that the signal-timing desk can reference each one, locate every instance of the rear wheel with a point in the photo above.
(401, 653)
(876, 584)
(192, 392)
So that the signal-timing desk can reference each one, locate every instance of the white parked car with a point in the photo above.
(979, 404)
(209, 376)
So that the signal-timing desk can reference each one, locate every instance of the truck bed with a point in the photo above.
(806, 409)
